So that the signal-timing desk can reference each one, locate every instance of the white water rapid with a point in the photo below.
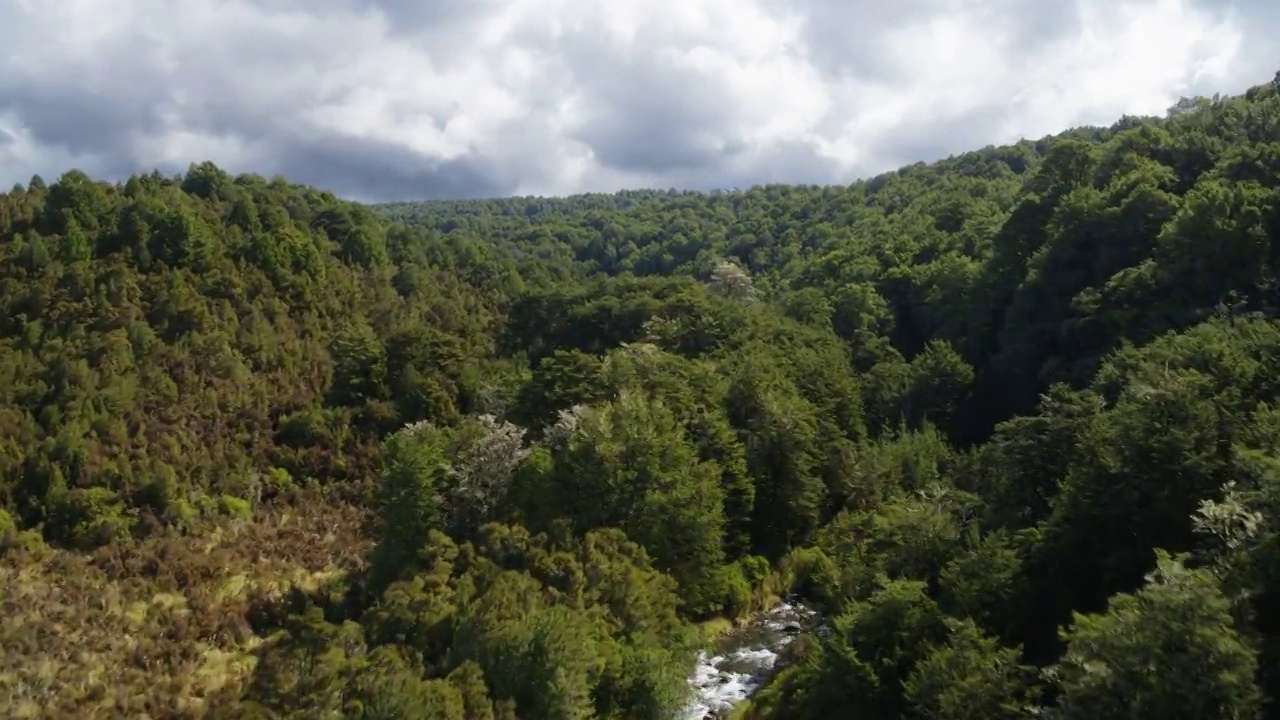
(742, 661)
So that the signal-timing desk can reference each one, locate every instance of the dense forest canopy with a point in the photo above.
(1010, 421)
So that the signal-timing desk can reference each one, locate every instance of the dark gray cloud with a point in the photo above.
(395, 99)
(433, 14)
(82, 120)
(368, 169)
(645, 115)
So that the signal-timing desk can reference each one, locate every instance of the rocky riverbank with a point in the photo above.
(742, 660)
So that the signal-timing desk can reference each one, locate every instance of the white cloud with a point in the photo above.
(396, 98)
(1136, 58)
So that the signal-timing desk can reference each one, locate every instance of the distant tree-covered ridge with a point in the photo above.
(1009, 421)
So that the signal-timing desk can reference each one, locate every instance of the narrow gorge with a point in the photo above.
(743, 659)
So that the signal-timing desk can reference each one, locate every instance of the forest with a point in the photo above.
(1009, 421)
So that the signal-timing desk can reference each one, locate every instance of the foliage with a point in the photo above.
(1168, 650)
(267, 453)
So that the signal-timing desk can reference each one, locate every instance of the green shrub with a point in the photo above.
(234, 507)
(86, 517)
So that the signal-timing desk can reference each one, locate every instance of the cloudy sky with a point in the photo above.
(405, 99)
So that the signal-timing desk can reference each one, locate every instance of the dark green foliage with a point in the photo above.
(969, 677)
(1169, 650)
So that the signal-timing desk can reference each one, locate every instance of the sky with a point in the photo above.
(419, 99)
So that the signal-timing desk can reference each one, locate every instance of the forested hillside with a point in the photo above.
(1010, 422)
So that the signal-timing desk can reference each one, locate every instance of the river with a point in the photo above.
(742, 660)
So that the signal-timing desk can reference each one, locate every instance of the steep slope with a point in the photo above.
(184, 395)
